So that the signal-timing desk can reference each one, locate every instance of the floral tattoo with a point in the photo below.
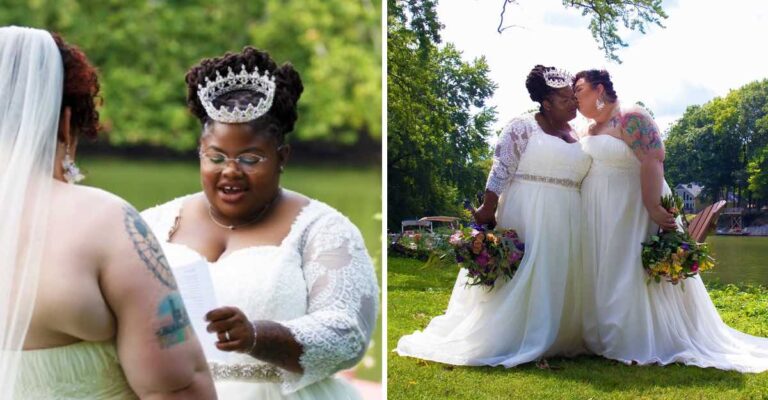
(642, 131)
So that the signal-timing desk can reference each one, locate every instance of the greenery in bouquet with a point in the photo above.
(674, 255)
(486, 254)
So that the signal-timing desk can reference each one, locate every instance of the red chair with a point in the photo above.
(705, 221)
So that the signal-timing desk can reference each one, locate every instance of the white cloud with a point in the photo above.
(707, 49)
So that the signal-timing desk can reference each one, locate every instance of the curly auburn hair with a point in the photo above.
(281, 117)
(598, 77)
(81, 88)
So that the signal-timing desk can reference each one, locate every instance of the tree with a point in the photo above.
(144, 48)
(605, 16)
(437, 118)
(722, 144)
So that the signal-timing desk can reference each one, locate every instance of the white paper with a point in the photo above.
(196, 288)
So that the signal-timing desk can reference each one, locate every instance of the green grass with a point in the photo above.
(417, 293)
(355, 191)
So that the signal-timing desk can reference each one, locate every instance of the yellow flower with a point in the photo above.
(677, 267)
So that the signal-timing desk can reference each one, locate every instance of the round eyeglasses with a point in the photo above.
(214, 161)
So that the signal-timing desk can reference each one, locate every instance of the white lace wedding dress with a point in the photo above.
(319, 282)
(626, 319)
(537, 313)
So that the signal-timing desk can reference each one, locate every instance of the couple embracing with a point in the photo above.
(583, 203)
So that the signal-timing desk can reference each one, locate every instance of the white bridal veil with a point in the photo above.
(31, 79)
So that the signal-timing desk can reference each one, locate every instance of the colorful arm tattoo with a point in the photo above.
(174, 321)
(642, 131)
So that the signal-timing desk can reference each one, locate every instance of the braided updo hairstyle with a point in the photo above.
(281, 117)
(537, 85)
(598, 77)
(81, 88)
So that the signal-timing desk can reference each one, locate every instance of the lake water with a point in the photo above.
(739, 259)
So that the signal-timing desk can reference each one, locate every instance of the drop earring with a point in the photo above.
(71, 172)
(600, 104)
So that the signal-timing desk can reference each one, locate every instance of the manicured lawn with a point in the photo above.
(355, 191)
(417, 293)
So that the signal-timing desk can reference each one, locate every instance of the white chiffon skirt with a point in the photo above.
(538, 312)
(627, 319)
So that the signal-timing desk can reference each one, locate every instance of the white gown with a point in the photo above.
(319, 282)
(537, 313)
(626, 319)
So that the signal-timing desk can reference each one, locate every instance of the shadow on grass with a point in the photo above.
(601, 375)
(411, 307)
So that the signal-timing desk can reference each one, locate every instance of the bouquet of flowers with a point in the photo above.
(674, 256)
(487, 255)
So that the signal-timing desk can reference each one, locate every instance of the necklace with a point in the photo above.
(560, 133)
(246, 223)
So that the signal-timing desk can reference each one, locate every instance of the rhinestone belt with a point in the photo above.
(548, 179)
(256, 372)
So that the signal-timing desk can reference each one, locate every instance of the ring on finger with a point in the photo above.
(226, 336)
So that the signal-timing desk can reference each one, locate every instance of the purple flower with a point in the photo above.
(459, 258)
(695, 266)
(482, 259)
(477, 227)
(685, 246)
(514, 256)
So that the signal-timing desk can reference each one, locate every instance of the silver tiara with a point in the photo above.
(254, 81)
(558, 78)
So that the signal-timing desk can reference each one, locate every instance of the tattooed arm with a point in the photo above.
(640, 132)
(157, 348)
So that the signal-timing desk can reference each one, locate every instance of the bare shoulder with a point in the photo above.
(639, 130)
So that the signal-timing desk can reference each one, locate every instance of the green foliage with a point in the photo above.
(605, 17)
(438, 121)
(723, 144)
(143, 49)
(416, 294)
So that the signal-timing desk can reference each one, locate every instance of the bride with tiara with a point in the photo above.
(535, 178)
(298, 290)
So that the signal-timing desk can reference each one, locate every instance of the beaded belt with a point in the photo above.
(548, 179)
(256, 372)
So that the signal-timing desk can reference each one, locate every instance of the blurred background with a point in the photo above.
(146, 152)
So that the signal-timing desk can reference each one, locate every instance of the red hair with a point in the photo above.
(81, 88)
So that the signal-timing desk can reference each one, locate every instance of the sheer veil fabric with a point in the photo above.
(31, 79)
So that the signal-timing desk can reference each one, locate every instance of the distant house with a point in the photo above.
(690, 193)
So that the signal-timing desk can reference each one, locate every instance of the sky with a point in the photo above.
(706, 49)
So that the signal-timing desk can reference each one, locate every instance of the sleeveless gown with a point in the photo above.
(626, 319)
(83, 370)
(537, 313)
(319, 282)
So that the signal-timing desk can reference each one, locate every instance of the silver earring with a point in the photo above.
(599, 103)
(71, 171)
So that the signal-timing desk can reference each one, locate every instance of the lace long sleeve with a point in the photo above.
(343, 301)
(509, 148)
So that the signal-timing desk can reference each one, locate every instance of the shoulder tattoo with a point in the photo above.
(148, 248)
(642, 132)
